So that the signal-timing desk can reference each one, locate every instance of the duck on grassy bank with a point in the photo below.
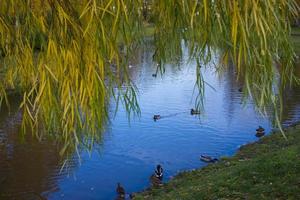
(260, 131)
(159, 172)
(156, 178)
(120, 192)
(155, 182)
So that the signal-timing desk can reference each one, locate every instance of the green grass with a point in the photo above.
(267, 169)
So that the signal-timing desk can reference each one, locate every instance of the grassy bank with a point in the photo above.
(267, 169)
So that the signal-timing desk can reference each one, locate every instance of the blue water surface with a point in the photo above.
(131, 151)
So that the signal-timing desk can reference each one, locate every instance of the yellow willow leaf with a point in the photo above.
(240, 58)
(100, 80)
(75, 46)
(37, 98)
(107, 11)
(244, 34)
(219, 22)
(262, 28)
(103, 32)
(76, 139)
(205, 10)
(10, 76)
(94, 8)
(43, 24)
(52, 74)
(225, 58)
(22, 104)
(66, 110)
(254, 11)
(29, 113)
(69, 58)
(88, 25)
(76, 74)
(86, 9)
(234, 25)
(83, 98)
(52, 49)
(3, 95)
(193, 14)
(72, 120)
(124, 10)
(3, 24)
(65, 17)
(116, 18)
(106, 8)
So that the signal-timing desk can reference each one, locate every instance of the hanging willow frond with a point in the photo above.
(69, 57)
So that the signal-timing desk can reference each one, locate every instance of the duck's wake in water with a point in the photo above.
(192, 112)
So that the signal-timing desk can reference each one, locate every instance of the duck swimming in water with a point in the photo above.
(120, 191)
(260, 129)
(208, 159)
(156, 117)
(159, 172)
(195, 112)
(154, 75)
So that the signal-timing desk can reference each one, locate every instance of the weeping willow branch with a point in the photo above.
(254, 35)
(65, 57)
(69, 58)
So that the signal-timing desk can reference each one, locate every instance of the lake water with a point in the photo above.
(130, 151)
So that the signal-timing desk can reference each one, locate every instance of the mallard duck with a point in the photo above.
(208, 159)
(260, 129)
(119, 198)
(155, 182)
(120, 191)
(260, 133)
(195, 112)
(156, 117)
(132, 195)
(159, 172)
